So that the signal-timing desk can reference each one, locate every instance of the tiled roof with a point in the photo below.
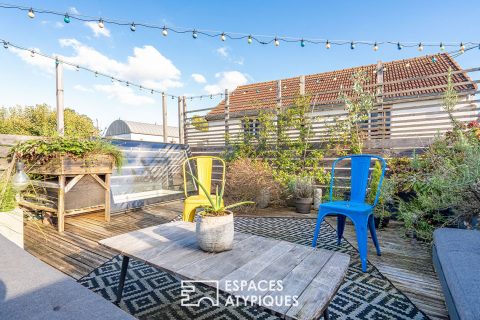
(325, 87)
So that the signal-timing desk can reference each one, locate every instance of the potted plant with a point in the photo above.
(302, 190)
(214, 225)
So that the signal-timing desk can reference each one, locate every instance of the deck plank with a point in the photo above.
(405, 262)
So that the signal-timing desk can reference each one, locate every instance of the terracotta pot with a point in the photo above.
(215, 233)
(303, 205)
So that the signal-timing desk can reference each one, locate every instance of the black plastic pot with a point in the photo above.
(303, 205)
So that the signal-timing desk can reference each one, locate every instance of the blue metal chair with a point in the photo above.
(360, 212)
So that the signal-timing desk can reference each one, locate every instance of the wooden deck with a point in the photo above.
(76, 252)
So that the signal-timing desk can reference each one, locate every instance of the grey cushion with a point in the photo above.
(458, 255)
(30, 289)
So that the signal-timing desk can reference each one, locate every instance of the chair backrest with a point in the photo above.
(360, 170)
(204, 168)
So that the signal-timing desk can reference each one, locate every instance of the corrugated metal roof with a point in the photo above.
(118, 127)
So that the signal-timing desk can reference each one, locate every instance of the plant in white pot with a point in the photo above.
(214, 225)
(302, 188)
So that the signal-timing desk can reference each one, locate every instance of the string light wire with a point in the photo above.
(258, 38)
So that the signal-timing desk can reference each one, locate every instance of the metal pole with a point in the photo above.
(59, 86)
(180, 120)
(164, 118)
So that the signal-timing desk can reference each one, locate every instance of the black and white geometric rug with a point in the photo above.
(152, 294)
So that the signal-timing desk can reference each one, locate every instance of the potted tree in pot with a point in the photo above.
(214, 225)
(302, 190)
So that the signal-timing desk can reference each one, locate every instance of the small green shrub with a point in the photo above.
(7, 199)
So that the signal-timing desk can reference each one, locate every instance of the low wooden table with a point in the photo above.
(312, 275)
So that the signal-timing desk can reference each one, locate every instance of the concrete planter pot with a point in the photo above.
(303, 205)
(215, 233)
(11, 226)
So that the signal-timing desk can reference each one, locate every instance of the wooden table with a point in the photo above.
(313, 275)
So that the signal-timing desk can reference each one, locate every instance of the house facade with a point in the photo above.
(139, 131)
(408, 92)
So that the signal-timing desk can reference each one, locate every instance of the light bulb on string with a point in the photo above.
(113, 80)
(101, 24)
(165, 31)
(77, 68)
(328, 45)
(434, 59)
(462, 47)
(375, 47)
(211, 97)
(420, 47)
(194, 34)
(151, 92)
(32, 53)
(5, 44)
(127, 84)
(352, 45)
(173, 97)
(133, 27)
(442, 46)
(96, 74)
(31, 14)
(249, 40)
(302, 43)
(399, 46)
(222, 37)
(276, 42)
(66, 19)
(140, 88)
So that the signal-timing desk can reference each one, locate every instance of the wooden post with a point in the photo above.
(379, 99)
(227, 116)
(61, 203)
(184, 109)
(107, 197)
(302, 85)
(164, 118)
(59, 87)
(278, 110)
(181, 115)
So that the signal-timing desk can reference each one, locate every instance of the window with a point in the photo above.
(251, 127)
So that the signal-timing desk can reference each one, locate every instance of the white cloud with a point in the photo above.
(226, 80)
(73, 10)
(124, 94)
(37, 60)
(97, 31)
(79, 87)
(223, 51)
(198, 78)
(147, 66)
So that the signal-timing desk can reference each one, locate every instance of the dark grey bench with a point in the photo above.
(30, 289)
(456, 257)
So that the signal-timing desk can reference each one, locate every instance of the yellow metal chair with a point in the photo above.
(204, 168)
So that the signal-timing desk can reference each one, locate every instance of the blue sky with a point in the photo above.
(168, 63)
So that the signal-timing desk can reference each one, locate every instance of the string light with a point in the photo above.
(462, 48)
(420, 47)
(132, 27)
(77, 68)
(32, 53)
(261, 39)
(352, 45)
(375, 47)
(276, 42)
(5, 44)
(434, 59)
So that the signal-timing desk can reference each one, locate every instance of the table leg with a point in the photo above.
(326, 316)
(123, 275)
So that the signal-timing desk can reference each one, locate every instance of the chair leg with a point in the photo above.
(189, 212)
(361, 231)
(340, 227)
(371, 226)
(320, 217)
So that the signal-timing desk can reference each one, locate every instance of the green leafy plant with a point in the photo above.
(40, 120)
(216, 207)
(7, 199)
(41, 151)
(200, 123)
(345, 133)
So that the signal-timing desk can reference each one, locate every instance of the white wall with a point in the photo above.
(144, 137)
